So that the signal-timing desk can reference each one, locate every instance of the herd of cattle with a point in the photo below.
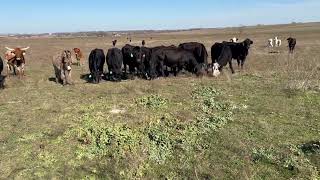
(141, 61)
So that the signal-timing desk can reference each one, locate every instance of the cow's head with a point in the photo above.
(66, 60)
(290, 39)
(234, 40)
(247, 43)
(216, 70)
(18, 53)
(77, 52)
(137, 54)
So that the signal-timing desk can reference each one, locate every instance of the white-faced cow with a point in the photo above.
(277, 42)
(270, 43)
(62, 67)
(16, 60)
(234, 39)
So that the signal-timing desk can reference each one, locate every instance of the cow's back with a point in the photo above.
(114, 60)
(96, 60)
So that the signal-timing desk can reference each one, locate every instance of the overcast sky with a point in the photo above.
(39, 16)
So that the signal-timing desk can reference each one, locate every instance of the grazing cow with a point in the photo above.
(175, 58)
(2, 78)
(146, 58)
(277, 42)
(79, 56)
(270, 43)
(224, 58)
(114, 60)
(199, 51)
(291, 44)
(234, 39)
(240, 51)
(132, 57)
(96, 63)
(16, 59)
(62, 67)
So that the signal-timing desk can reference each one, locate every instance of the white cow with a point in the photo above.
(234, 39)
(270, 43)
(277, 42)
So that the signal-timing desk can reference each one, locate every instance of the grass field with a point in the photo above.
(261, 123)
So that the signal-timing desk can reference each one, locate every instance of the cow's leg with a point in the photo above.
(231, 67)
(242, 64)
(8, 70)
(125, 68)
(161, 69)
(63, 77)
(238, 61)
(174, 69)
(14, 70)
(22, 70)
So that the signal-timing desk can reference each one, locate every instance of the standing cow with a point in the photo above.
(16, 60)
(79, 56)
(2, 78)
(291, 44)
(270, 43)
(62, 67)
(277, 42)
(239, 51)
(114, 61)
(96, 63)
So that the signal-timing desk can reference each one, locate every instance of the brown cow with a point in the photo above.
(79, 56)
(62, 67)
(16, 60)
(7, 56)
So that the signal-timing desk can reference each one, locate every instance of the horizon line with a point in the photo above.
(173, 29)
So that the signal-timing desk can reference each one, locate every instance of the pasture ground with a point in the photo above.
(261, 123)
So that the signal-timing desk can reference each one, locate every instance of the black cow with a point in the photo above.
(146, 57)
(114, 60)
(224, 58)
(240, 51)
(2, 78)
(291, 44)
(132, 57)
(175, 58)
(199, 51)
(96, 63)
(1, 65)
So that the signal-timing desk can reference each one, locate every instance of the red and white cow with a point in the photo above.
(15, 60)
